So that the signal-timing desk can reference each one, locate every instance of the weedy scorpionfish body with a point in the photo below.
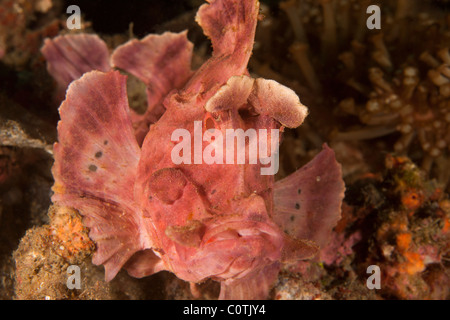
(227, 222)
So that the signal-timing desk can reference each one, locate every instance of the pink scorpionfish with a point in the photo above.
(227, 222)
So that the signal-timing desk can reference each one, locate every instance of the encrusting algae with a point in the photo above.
(406, 234)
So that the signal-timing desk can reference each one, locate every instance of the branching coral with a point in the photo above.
(377, 82)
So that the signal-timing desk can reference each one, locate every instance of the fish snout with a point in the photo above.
(239, 247)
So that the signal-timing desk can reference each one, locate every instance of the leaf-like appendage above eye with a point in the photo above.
(279, 102)
(265, 96)
(232, 95)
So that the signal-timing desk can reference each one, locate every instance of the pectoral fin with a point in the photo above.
(307, 204)
(144, 263)
(95, 166)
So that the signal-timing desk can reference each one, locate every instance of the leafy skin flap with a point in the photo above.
(307, 203)
(95, 166)
(231, 95)
(281, 103)
(144, 263)
(162, 62)
(229, 25)
(267, 97)
(70, 56)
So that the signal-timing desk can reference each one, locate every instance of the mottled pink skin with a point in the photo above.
(316, 190)
(71, 56)
(162, 62)
(233, 203)
(199, 221)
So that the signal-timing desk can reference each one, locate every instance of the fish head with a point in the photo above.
(228, 245)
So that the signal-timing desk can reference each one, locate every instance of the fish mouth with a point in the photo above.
(238, 247)
(236, 269)
(237, 229)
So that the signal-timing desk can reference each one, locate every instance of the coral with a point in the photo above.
(68, 234)
(45, 253)
(24, 200)
(339, 248)
(396, 220)
(19, 128)
(408, 240)
(291, 287)
(376, 82)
